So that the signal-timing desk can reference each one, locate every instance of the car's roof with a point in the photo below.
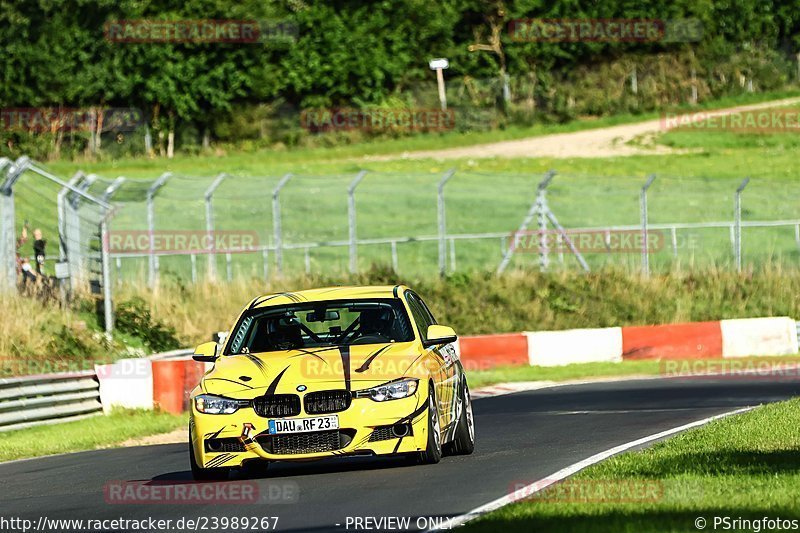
(328, 293)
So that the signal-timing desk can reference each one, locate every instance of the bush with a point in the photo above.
(134, 318)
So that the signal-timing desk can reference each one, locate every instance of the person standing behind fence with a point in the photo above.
(39, 245)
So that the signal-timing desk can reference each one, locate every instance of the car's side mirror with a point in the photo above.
(206, 352)
(439, 335)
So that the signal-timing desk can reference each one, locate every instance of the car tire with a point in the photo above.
(206, 474)
(464, 439)
(433, 450)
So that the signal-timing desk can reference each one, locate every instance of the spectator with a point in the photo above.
(39, 245)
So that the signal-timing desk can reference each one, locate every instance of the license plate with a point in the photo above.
(303, 425)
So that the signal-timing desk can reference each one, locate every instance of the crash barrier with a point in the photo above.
(771, 336)
(165, 380)
(162, 381)
(45, 399)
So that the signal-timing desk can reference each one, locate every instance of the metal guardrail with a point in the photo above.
(181, 353)
(48, 398)
(51, 398)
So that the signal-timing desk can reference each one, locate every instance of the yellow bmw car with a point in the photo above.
(330, 372)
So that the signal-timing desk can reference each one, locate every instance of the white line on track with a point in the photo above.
(525, 492)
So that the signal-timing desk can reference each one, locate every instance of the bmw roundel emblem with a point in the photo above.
(301, 388)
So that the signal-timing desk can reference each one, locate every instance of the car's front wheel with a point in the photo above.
(206, 474)
(464, 439)
(433, 451)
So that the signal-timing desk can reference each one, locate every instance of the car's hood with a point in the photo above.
(350, 367)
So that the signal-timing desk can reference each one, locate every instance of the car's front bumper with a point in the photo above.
(358, 423)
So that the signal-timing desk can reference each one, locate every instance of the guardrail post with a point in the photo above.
(212, 257)
(351, 220)
(276, 221)
(643, 216)
(737, 232)
(442, 220)
(151, 220)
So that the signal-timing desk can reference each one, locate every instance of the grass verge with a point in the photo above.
(86, 434)
(510, 374)
(744, 467)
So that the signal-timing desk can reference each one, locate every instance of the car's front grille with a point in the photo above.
(277, 405)
(297, 443)
(231, 444)
(327, 401)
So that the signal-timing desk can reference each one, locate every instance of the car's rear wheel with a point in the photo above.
(206, 474)
(464, 439)
(433, 451)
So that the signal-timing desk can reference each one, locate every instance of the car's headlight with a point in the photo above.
(390, 391)
(217, 405)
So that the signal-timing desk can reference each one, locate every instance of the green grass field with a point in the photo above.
(739, 467)
(398, 199)
(86, 434)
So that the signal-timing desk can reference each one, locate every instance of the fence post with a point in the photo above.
(737, 232)
(395, 260)
(212, 258)
(538, 208)
(8, 231)
(62, 215)
(643, 217)
(73, 229)
(151, 220)
(443, 221)
(108, 302)
(276, 221)
(351, 220)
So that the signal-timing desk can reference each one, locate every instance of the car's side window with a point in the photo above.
(422, 303)
(422, 316)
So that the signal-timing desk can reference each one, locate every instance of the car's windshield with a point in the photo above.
(321, 324)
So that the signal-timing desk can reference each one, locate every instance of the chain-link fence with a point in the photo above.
(224, 226)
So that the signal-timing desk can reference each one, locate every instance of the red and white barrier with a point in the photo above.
(759, 336)
(693, 340)
(166, 383)
(773, 336)
(147, 384)
(556, 348)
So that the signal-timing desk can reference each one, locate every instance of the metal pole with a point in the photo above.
(62, 215)
(643, 216)
(442, 93)
(212, 259)
(737, 234)
(539, 205)
(395, 260)
(276, 222)
(351, 219)
(443, 221)
(108, 306)
(151, 221)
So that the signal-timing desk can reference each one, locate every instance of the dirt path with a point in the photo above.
(601, 142)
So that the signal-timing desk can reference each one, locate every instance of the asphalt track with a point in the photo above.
(521, 438)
